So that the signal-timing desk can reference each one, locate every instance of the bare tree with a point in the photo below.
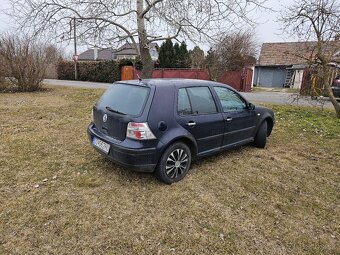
(233, 52)
(143, 21)
(24, 61)
(196, 57)
(317, 20)
(3, 74)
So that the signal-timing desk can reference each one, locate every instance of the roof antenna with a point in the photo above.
(141, 81)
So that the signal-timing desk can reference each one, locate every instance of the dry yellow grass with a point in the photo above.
(280, 200)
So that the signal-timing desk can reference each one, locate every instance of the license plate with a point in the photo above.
(101, 145)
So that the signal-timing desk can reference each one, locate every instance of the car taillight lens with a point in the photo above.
(139, 131)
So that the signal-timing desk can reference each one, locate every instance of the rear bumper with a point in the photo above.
(126, 154)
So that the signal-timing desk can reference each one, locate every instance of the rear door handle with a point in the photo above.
(191, 124)
(229, 119)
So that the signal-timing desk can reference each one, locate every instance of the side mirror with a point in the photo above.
(251, 106)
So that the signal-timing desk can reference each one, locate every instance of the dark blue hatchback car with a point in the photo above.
(161, 125)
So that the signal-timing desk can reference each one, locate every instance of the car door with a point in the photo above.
(197, 113)
(239, 120)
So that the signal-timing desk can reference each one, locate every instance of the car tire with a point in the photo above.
(174, 163)
(261, 136)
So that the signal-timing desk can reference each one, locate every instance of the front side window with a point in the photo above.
(230, 100)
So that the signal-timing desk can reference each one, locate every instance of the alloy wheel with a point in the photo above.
(176, 163)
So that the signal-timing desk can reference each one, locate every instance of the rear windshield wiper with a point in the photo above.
(115, 111)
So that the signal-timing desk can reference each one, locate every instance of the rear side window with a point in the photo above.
(195, 100)
(183, 103)
(127, 99)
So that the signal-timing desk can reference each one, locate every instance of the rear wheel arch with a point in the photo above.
(187, 141)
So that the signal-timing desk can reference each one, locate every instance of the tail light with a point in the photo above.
(139, 131)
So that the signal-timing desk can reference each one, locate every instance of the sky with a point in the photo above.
(267, 29)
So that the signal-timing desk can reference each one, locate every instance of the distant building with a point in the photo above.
(283, 64)
(127, 51)
(96, 54)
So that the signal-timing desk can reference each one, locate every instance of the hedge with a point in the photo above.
(97, 71)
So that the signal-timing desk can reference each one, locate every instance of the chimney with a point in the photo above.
(95, 53)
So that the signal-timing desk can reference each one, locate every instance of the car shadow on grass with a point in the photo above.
(100, 169)
(122, 174)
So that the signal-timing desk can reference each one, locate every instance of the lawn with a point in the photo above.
(279, 89)
(59, 196)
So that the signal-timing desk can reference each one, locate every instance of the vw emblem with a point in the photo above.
(104, 118)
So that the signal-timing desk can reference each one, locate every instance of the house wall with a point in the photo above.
(269, 76)
(298, 79)
(120, 57)
(154, 53)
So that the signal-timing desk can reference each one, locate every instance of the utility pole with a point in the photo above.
(75, 49)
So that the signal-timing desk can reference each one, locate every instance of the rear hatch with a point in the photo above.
(119, 105)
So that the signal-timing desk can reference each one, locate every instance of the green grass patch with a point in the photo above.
(59, 196)
(274, 89)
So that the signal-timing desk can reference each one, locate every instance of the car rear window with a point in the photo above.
(124, 98)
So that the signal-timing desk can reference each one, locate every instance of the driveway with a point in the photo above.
(78, 84)
(286, 99)
(256, 97)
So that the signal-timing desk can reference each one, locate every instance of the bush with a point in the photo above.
(99, 71)
(3, 85)
(137, 63)
(25, 61)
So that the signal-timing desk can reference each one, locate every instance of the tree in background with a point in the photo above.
(233, 52)
(237, 50)
(183, 56)
(166, 55)
(196, 57)
(173, 55)
(176, 63)
(213, 65)
(143, 21)
(320, 21)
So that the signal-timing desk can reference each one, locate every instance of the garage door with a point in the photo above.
(271, 77)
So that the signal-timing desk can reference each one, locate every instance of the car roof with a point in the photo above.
(173, 82)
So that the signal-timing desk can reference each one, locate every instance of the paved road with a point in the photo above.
(256, 97)
(78, 84)
(285, 99)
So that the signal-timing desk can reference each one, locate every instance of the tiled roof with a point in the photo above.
(293, 53)
(129, 49)
(103, 54)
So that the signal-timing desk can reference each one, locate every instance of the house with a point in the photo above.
(282, 64)
(128, 50)
(96, 54)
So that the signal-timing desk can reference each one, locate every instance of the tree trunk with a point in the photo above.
(325, 82)
(325, 79)
(143, 43)
(334, 102)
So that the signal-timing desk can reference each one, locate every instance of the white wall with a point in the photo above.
(298, 79)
